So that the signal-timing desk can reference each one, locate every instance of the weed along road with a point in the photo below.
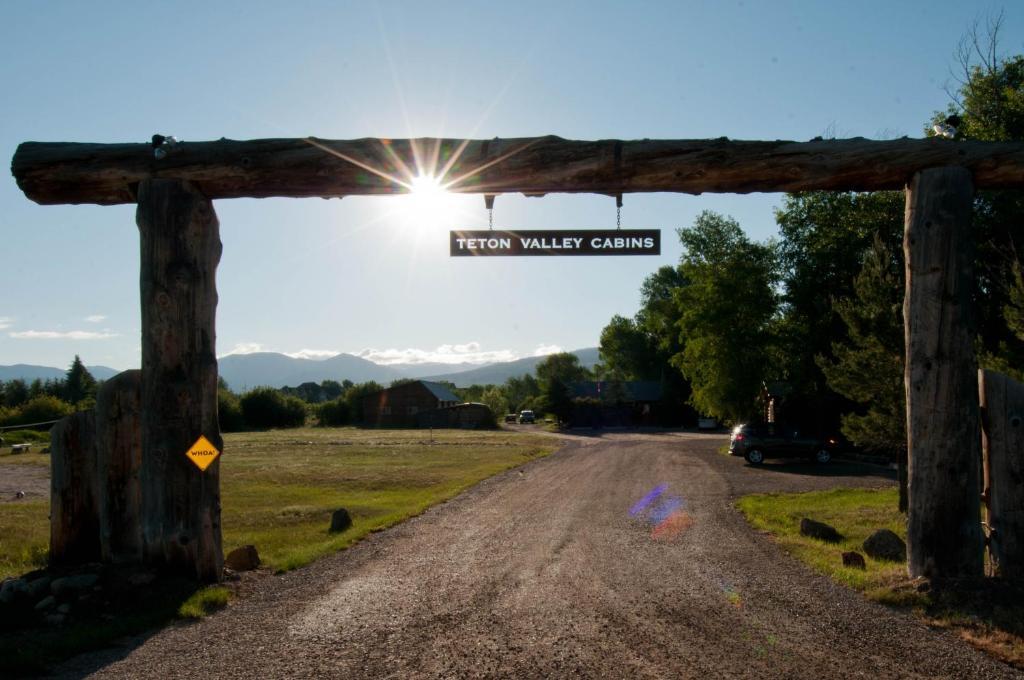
(620, 555)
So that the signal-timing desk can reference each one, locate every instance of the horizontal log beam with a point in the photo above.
(61, 172)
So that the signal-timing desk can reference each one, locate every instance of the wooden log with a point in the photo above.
(119, 458)
(180, 503)
(944, 537)
(74, 515)
(1002, 404)
(63, 172)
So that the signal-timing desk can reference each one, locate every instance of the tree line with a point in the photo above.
(814, 317)
(38, 401)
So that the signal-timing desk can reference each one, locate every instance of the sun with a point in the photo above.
(429, 203)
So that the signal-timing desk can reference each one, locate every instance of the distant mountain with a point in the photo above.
(28, 373)
(246, 371)
(496, 374)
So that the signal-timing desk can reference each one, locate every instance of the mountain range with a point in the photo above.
(243, 372)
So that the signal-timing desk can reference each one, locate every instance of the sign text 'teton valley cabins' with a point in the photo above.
(583, 242)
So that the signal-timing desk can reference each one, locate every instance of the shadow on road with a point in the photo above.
(837, 468)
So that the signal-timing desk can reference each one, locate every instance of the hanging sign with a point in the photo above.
(202, 453)
(534, 242)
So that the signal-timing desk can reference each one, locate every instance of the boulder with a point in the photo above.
(854, 559)
(39, 587)
(340, 520)
(242, 559)
(885, 545)
(819, 530)
(69, 586)
(13, 590)
(46, 603)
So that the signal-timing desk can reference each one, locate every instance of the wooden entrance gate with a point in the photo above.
(173, 185)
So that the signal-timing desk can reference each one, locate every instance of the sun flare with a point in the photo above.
(428, 202)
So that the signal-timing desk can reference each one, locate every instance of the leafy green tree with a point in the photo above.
(78, 382)
(555, 374)
(354, 398)
(520, 391)
(265, 407)
(726, 309)
(868, 365)
(334, 413)
(494, 397)
(15, 392)
(229, 411)
(332, 389)
(990, 104)
(825, 236)
(628, 352)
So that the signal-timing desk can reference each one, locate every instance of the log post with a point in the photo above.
(119, 457)
(1002, 403)
(74, 517)
(181, 248)
(944, 537)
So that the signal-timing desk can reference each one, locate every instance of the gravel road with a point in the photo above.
(543, 572)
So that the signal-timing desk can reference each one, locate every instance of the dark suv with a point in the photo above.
(757, 442)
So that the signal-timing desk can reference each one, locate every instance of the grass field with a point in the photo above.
(279, 488)
(988, 614)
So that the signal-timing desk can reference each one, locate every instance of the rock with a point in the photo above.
(242, 559)
(885, 545)
(340, 520)
(39, 587)
(819, 530)
(55, 619)
(13, 590)
(46, 603)
(69, 586)
(143, 578)
(64, 608)
(854, 559)
(19, 495)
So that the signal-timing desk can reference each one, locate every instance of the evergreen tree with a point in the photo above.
(78, 382)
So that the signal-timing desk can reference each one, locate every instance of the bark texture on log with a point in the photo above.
(944, 537)
(65, 172)
(74, 512)
(180, 504)
(1002, 403)
(119, 458)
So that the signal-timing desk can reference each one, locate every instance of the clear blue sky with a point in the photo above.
(362, 273)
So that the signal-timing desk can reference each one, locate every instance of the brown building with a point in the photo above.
(400, 406)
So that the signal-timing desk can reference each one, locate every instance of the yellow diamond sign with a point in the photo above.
(202, 453)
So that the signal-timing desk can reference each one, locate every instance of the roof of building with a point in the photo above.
(635, 390)
(440, 391)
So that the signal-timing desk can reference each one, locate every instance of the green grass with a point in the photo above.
(989, 614)
(24, 536)
(204, 602)
(855, 513)
(278, 489)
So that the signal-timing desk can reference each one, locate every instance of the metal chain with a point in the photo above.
(490, 219)
(618, 217)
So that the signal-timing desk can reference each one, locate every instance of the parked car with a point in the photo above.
(527, 417)
(757, 442)
(510, 417)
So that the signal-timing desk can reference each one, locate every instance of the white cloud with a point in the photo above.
(245, 348)
(469, 352)
(95, 318)
(5, 322)
(313, 354)
(62, 335)
(544, 350)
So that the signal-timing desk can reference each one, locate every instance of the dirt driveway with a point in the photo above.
(543, 572)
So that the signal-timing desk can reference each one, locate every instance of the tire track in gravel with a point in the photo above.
(541, 572)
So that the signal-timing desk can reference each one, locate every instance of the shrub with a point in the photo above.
(334, 413)
(39, 410)
(265, 407)
(229, 412)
